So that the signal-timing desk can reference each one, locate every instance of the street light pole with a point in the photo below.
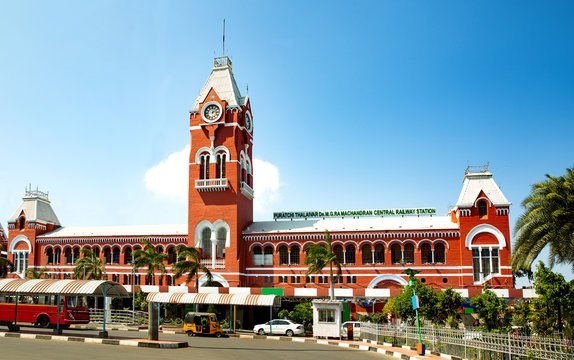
(133, 293)
(415, 301)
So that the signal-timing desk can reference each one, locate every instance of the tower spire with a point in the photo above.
(223, 54)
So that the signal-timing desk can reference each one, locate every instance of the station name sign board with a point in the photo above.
(343, 213)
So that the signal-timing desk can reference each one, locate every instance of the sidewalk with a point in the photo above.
(405, 353)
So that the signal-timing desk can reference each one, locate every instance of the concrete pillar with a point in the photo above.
(153, 329)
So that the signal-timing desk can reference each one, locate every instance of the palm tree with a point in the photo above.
(189, 261)
(321, 255)
(548, 220)
(36, 274)
(6, 265)
(150, 258)
(89, 266)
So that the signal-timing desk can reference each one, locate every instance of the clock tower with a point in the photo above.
(220, 174)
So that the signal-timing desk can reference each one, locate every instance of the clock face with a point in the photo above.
(248, 121)
(211, 112)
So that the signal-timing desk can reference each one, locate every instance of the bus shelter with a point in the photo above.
(217, 299)
(60, 289)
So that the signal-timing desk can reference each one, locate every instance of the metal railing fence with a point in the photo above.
(472, 344)
(119, 317)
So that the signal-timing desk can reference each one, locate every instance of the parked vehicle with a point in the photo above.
(201, 323)
(356, 328)
(42, 310)
(279, 327)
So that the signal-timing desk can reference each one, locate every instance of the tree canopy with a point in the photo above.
(548, 220)
(321, 255)
(150, 258)
(6, 265)
(89, 266)
(189, 262)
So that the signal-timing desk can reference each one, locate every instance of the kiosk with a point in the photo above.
(327, 318)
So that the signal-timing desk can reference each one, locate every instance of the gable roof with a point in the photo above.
(223, 82)
(36, 208)
(474, 183)
(3, 238)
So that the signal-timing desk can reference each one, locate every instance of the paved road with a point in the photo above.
(204, 348)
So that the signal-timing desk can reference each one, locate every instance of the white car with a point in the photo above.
(279, 327)
(356, 328)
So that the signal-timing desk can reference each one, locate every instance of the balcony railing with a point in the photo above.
(211, 184)
(211, 264)
(246, 190)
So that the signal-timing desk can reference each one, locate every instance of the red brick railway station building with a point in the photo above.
(462, 249)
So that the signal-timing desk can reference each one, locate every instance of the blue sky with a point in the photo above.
(368, 104)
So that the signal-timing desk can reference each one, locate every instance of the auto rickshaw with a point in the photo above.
(201, 323)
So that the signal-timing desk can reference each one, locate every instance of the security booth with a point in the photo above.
(327, 318)
(52, 303)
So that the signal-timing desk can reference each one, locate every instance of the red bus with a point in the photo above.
(41, 310)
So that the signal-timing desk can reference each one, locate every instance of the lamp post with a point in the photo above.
(133, 292)
(415, 300)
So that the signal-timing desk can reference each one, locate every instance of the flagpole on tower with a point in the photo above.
(223, 55)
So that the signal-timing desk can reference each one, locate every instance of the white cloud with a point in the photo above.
(266, 184)
(169, 180)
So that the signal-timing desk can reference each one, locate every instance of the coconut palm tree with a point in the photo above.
(150, 258)
(189, 262)
(6, 265)
(36, 273)
(321, 255)
(548, 220)
(89, 266)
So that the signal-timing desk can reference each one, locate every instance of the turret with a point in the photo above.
(33, 217)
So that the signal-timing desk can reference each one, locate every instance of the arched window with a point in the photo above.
(68, 256)
(49, 256)
(268, 255)
(220, 244)
(220, 161)
(21, 223)
(283, 255)
(482, 208)
(439, 254)
(107, 256)
(396, 254)
(128, 255)
(21, 261)
(171, 255)
(204, 166)
(258, 256)
(245, 171)
(206, 243)
(350, 254)
(116, 255)
(294, 255)
(57, 255)
(367, 254)
(485, 262)
(426, 254)
(379, 254)
(409, 255)
(97, 252)
(338, 250)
